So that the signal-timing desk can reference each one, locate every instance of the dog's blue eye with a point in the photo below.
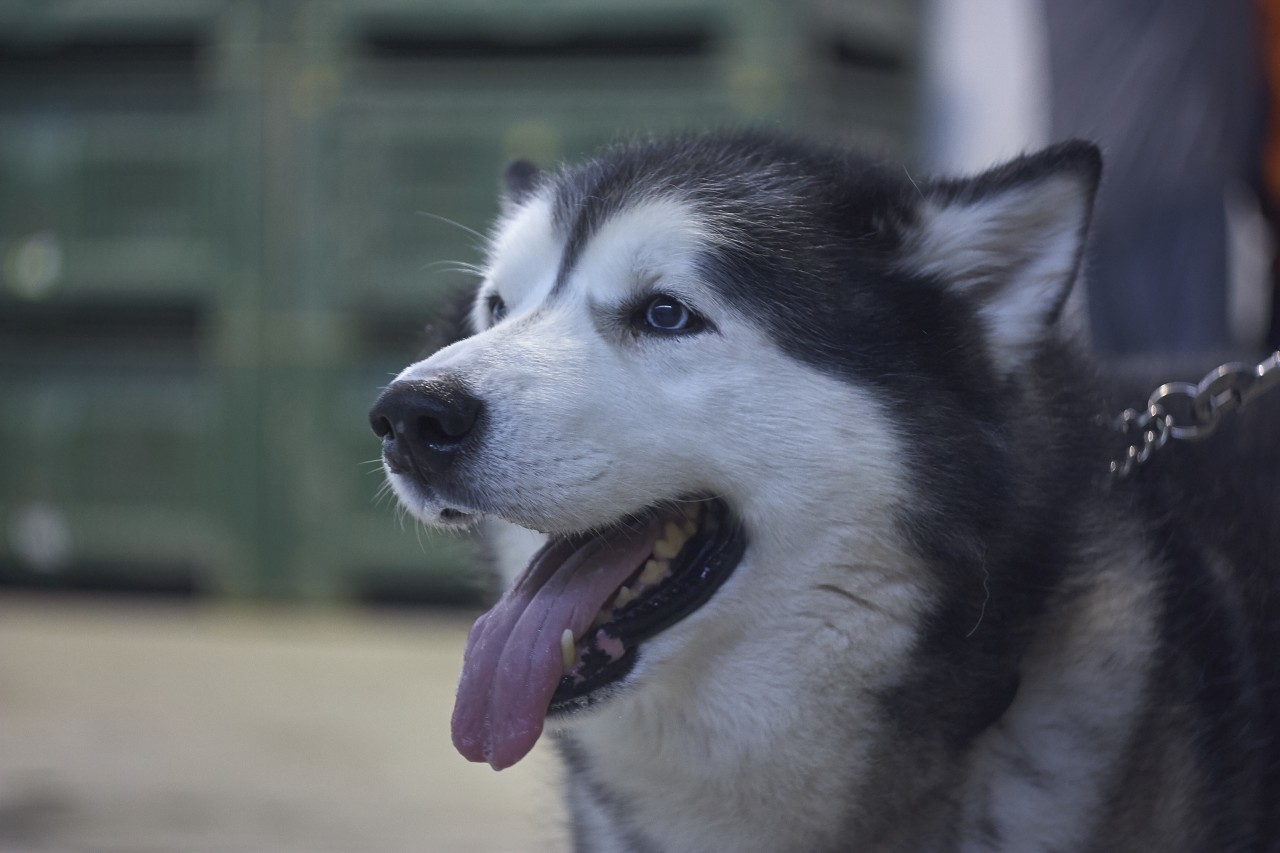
(497, 309)
(665, 314)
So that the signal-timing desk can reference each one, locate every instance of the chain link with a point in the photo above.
(1189, 412)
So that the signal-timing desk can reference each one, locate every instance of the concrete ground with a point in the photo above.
(185, 728)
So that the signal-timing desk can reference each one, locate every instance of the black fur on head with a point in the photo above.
(832, 249)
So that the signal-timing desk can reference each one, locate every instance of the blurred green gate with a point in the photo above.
(213, 247)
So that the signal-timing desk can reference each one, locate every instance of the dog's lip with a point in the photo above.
(707, 559)
(450, 514)
(427, 506)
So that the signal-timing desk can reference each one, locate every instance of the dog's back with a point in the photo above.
(1213, 509)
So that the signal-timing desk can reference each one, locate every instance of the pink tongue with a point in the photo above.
(512, 663)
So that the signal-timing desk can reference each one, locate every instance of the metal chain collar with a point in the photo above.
(1184, 411)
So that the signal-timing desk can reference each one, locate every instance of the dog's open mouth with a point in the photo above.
(572, 624)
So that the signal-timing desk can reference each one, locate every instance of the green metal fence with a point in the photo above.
(220, 228)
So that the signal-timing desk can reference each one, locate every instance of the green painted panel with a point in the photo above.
(224, 224)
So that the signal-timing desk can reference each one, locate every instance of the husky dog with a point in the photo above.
(830, 558)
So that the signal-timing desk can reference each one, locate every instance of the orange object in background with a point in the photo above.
(1269, 29)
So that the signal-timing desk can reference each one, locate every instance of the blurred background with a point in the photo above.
(224, 224)
(223, 228)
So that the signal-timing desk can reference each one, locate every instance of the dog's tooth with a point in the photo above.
(654, 573)
(689, 527)
(567, 652)
(673, 539)
(624, 596)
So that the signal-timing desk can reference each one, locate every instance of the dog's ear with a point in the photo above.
(519, 180)
(1012, 240)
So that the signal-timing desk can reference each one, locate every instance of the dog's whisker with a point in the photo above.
(384, 492)
(456, 224)
(456, 266)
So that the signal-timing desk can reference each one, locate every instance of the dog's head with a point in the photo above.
(688, 358)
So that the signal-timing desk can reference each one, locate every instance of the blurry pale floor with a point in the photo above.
(144, 727)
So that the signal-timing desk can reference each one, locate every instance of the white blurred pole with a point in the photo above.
(985, 81)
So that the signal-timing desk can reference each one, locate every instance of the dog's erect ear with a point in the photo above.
(519, 180)
(1011, 239)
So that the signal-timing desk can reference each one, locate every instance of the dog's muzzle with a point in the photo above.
(425, 425)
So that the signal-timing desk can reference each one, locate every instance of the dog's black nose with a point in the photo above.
(424, 423)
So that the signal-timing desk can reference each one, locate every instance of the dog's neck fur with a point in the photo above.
(693, 765)
(701, 764)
